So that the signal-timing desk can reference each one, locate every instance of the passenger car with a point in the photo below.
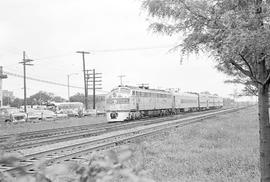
(11, 114)
(33, 115)
(128, 103)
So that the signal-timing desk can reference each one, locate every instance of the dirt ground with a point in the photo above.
(14, 128)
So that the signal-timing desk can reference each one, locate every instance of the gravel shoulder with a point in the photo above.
(14, 128)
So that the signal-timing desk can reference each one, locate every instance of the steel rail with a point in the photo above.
(70, 129)
(62, 136)
(58, 153)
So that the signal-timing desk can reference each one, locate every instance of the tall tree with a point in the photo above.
(78, 97)
(237, 35)
(17, 103)
(41, 97)
(44, 97)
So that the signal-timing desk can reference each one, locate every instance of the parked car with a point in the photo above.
(11, 114)
(48, 115)
(33, 115)
(71, 112)
(37, 114)
(61, 114)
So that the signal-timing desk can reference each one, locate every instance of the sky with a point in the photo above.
(114, 32)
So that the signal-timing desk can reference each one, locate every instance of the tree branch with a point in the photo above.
(245, 72)
(248, 65)
(267, 80)
(189, 9)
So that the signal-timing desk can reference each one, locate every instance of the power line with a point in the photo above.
(40, 80)
(132, 49)
(53, 56)
(49, 58)
(106, 50)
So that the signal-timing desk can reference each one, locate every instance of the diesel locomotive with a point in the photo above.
(130, 103)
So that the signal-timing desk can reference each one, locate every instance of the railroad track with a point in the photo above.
(56, 153)
(46, 137)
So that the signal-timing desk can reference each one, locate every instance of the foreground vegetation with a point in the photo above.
(225, 148)
(109, 166)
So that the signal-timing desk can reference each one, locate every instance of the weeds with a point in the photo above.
(109, 166)
(221, 149)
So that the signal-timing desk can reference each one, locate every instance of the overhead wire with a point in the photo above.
(46, 81)
(93, 51)
(40, 80)
(131, 49)
(49, 58)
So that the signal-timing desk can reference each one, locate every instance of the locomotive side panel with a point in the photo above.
(185, 101)
(128, 103)
(204, 101)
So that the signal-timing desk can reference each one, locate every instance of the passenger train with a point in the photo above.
(129, 103)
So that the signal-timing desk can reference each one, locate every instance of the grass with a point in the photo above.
(221, 149)
(225, 148)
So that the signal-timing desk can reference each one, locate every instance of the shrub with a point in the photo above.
(109, 166)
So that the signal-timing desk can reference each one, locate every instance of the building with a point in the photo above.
(7, 97)
(9, 94)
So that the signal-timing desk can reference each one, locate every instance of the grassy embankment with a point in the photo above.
(225, 148)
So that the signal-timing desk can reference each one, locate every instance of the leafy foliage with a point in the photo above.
(44, 97)
(109, 166)
(40, 97)
(79, 97)
(235, 32)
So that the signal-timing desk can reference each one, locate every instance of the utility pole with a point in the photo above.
(2, 76)
(25, 62)
(93, 78)
(68, 86)
(68, 76)
(121, 76)
(84, 77)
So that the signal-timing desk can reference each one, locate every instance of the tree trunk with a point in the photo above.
(264, 133)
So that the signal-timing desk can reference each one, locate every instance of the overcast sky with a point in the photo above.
(52, 31)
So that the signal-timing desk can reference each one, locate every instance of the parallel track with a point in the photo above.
(60, 152)
(50, 136)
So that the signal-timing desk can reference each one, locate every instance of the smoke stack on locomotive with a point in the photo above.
(129, 103)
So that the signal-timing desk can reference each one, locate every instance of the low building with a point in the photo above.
(9, 94)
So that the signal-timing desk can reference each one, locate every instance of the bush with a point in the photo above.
(109, 166)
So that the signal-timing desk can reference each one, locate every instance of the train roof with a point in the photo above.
(144, 89)
(185, 94)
